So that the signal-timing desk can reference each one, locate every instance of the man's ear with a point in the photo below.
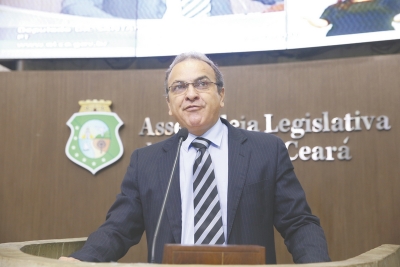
(222, 95)
(169, 107)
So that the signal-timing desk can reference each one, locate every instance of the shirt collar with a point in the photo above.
(214, 134)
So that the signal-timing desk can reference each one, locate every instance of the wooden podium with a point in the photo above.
(217, 255)
(44, 253)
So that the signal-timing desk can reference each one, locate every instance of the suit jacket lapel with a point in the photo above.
(173, 208)
(238, 158)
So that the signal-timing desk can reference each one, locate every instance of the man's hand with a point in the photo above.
(396, 18)
(319, 23)
(275, 8)
(68, 259)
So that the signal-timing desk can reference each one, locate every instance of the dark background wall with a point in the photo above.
(43, 195)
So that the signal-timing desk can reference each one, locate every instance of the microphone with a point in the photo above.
(182, 135)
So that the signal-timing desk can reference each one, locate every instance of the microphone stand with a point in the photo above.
(153, 247)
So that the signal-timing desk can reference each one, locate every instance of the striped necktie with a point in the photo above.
(207, 211)
(196, 8)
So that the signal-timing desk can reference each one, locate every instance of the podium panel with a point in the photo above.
(217, 255)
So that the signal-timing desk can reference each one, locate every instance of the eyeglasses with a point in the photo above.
(178, 88)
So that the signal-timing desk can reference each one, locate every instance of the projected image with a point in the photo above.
(226, 26)
(142, 28)
(365, 20)
(36, 29)
(137, 28)
(359, 16)
(161, 9)
(215, 26)
(146, 9)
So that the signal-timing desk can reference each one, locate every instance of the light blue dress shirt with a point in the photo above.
(218, 149)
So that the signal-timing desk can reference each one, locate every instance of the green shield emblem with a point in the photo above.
(94, 142)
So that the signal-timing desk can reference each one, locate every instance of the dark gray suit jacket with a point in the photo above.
(263, 192)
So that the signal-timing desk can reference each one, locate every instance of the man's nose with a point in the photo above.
(191, 92)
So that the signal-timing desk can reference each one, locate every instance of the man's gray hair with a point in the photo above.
(197, 56)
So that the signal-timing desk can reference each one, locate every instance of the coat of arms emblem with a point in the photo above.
(94, 142)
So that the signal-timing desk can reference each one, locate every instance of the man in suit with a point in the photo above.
(252, 176)
(135, 9)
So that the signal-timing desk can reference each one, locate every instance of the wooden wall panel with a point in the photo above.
(44, 195)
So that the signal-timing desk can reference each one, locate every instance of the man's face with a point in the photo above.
(197, 111)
